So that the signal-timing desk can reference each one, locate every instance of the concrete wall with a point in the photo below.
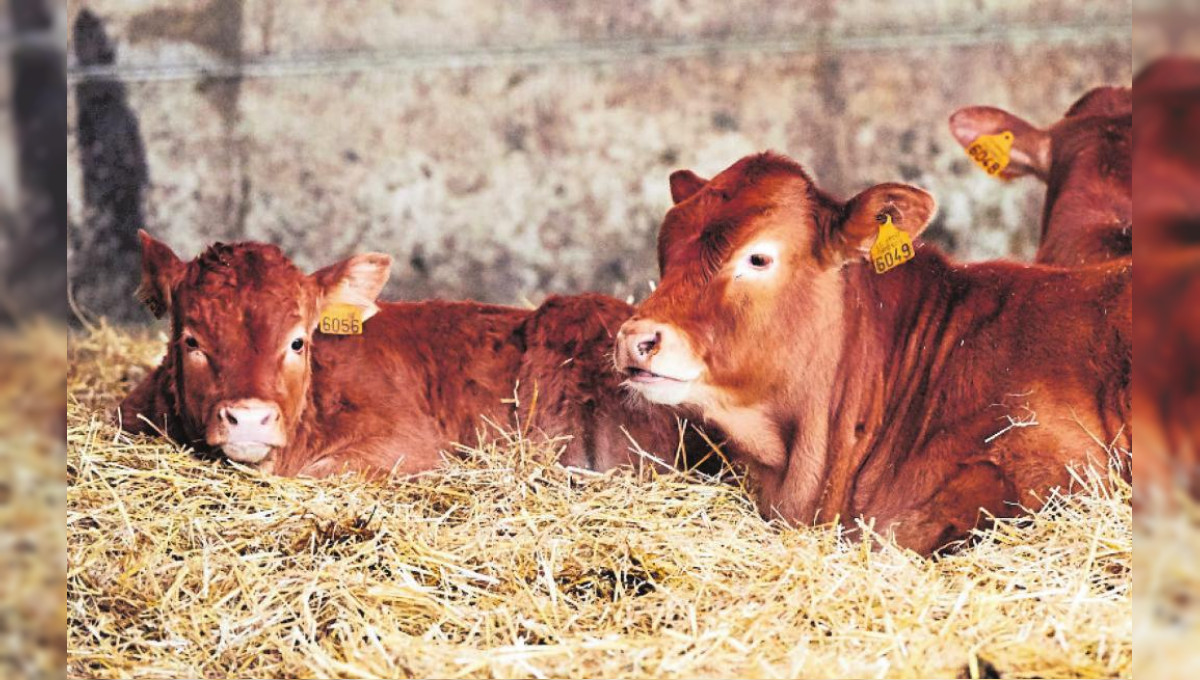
(507, 150)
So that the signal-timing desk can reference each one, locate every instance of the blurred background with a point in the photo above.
(506, 151)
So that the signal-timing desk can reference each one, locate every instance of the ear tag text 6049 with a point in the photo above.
(991, 152)
(341, 319)
(892, 248)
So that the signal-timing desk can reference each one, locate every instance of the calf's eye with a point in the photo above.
(191, 342)
(298, 344)
(760, 261)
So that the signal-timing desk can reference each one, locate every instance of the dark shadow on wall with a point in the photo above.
(34, 277)
(105, 262)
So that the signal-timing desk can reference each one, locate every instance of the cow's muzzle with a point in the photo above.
(247, 430)
(655, 360)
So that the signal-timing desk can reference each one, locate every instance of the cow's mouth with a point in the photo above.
(644, 377)
(250, 453)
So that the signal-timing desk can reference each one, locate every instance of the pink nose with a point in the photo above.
(638, 341)
(248, 418)
(247, 429)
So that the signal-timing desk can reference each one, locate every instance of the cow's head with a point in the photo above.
(242, 320)
(751, 262)
(1085, 159)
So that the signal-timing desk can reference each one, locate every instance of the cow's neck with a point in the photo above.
(784, 437)
(858, 367)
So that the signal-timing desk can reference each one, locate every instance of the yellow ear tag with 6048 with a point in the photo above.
(892, 248)
(991, 152)
(341, 319)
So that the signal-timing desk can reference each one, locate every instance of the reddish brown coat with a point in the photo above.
(420, 378)
(1167, 282)
(1085, 161)
(918, 397)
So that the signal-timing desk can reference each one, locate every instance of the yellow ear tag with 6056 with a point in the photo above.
(341, 319)
(892, 248)
(991, 152)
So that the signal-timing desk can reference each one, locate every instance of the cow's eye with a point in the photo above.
(191, 342)
(298, 345)
(760, 261)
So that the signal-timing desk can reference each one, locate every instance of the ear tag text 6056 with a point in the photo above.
(341, 319)
(892, 248)
(991, 152)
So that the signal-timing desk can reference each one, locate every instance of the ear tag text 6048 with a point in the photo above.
(892, 248)
(341, 319)
(991, 152)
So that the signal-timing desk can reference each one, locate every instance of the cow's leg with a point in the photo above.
(150, 401)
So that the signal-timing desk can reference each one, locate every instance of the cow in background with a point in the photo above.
(248, 374)
(1167, 282)
(1085, 162)
(918, 397)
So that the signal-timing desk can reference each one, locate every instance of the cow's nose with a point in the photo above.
(253, 416)
(638, 341)
(646, 344)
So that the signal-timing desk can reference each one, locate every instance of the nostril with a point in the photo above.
(228, 416)
(267, 418)
(647, 345)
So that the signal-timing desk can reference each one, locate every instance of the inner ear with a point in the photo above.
(910, 208)
(357, 281)
(685, 184)
(1030, 154)
(161, 271)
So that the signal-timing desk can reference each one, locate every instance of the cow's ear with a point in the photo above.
(161, 271)
(911, 210)
(684, 184)
(1030, 153)
(357, 281)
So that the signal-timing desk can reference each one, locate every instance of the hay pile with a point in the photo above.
(502, 565)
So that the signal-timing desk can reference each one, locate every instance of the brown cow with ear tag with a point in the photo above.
(1085, 160)
(249, 372)
(920, 398)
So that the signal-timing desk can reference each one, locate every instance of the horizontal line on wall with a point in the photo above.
(334, 63)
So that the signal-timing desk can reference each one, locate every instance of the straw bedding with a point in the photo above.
(502, 564)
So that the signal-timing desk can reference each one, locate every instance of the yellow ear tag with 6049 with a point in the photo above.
(991, 152)
(892, 248)
(341, 319)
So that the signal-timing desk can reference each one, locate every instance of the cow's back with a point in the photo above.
(425, 373)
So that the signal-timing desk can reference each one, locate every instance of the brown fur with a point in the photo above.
(417, 380)
(1167, 282)
(855, 394)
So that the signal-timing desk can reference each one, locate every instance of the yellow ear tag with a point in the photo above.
(892, 247)
(991, 152)
(341, 319)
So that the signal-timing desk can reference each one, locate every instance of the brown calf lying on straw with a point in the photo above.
(309, 375)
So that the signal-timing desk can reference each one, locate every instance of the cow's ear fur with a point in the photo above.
(1031, 150)
(685, 184)
(161, 271)
(357, 281)
(911, 209)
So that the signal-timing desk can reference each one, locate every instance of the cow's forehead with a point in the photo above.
(726, 206)
(244, 285)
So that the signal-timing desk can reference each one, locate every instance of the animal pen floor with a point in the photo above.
(503, 565)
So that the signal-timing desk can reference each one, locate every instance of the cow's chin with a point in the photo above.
(250, 453)
(660, 390)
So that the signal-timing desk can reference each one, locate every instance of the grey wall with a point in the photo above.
(507, 150)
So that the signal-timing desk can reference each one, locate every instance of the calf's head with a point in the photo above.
(751, 270)
(1085, 159)
(242, 321)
